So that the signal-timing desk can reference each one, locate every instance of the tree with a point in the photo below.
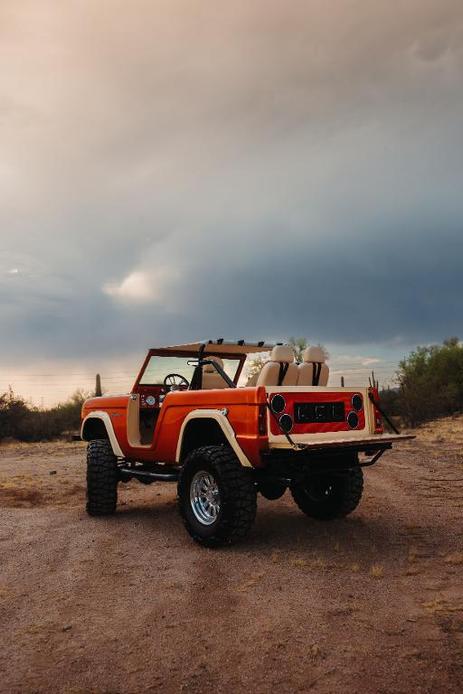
(13, 411)
(298, 344)
(430, 382)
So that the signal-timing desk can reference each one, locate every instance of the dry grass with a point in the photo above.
(299, 562)
(377, 571)
(454, 558)
(253, 580)
(412, 571)
(446, 430)
(442, 606)
(26, 492)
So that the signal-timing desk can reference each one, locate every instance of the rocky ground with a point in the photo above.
(373, 603)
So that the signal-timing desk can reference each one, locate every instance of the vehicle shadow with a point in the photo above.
(280, 527)
(359, 534)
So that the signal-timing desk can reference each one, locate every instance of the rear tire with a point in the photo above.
(217, 498)
(329, 496)
(102, 478)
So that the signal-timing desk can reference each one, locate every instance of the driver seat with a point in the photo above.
(210, 378)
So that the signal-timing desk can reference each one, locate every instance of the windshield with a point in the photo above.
(158, 367)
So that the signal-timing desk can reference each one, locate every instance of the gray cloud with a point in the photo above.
(179, 169)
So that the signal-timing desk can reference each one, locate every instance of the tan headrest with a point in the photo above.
(282, 353)
(314, 354)
(208, 368)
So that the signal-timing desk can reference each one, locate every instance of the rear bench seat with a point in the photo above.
(281, 370)
(313, 371)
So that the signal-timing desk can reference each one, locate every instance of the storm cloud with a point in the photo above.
(179, 169)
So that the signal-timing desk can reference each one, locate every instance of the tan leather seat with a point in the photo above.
(281, 362)
(313, 371)
(210, 377)
(252, 380)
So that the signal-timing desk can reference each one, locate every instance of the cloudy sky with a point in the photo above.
(179, 169)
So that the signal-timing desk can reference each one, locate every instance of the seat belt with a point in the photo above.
(284, 366)
(316, 371)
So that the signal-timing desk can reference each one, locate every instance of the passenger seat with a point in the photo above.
(210, 377)
(313, 371)
(281, 370)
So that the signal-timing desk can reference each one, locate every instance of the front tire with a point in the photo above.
(217, 498)
(331, 495)
(102, 478)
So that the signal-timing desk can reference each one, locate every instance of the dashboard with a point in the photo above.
(151, 397)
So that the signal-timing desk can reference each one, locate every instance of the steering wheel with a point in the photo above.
(175, 381)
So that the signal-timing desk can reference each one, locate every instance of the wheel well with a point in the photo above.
(94, 428)
(201, 432)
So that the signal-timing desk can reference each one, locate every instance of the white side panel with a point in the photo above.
(221, 419)
(106, 419)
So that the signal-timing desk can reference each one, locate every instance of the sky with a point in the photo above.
(182, 169)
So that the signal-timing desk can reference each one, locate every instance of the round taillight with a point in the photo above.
(357, 402)
(353, 420)
(286, 423)
(278, 404)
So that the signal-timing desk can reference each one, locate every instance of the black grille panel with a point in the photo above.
(319, 412)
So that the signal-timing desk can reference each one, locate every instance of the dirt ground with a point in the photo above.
(373, 603)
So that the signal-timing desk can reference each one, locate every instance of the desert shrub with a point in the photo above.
(430, 383)
(391, 401)
(21, 421)
(13, 411)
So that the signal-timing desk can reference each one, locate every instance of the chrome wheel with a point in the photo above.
(205, 497)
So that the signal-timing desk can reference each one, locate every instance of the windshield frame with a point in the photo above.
(189, 354)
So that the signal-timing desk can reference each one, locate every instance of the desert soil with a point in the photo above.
(372, 603)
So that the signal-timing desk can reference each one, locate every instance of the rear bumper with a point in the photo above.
(288, 463)
(368, 443)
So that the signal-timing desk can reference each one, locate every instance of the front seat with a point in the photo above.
(281, 370)
(313, 371)
(210, 377)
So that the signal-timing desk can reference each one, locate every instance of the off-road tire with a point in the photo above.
(347, 488)
(102, 478)
(238, 496)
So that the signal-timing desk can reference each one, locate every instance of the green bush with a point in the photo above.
(21, 421)
(430, 383)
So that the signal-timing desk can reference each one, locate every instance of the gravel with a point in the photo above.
(372, 603)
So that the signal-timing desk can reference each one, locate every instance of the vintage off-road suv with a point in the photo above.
(186, 420)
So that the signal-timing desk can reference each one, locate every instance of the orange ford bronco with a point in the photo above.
(187, 421)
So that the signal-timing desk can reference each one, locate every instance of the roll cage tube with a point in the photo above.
(197, 378)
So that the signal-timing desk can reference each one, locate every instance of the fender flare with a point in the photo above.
(220, 417)
(106, 419)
